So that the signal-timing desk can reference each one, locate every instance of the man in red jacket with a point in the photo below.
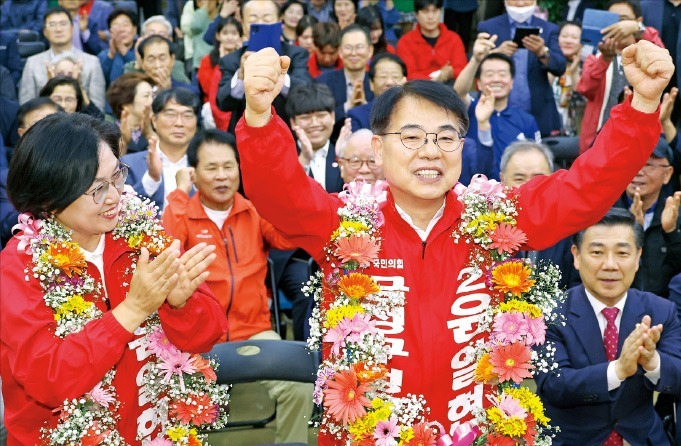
(430, 50)
(444, 297)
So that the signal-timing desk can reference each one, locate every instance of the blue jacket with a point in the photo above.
(359, 116)
(543, 104)
(113, 68)
(137, 164)
(336, 82)
(576, 396)
(653, 16)
(9, 56)
(97, 21)
(26, 14)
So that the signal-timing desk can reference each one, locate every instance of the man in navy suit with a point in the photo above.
(175, 118)
(350, 84)
(617, 346)
(538, 56)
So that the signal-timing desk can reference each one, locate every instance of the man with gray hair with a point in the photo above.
(356, 158)
(522, 161)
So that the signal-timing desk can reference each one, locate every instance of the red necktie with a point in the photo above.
(610, 339)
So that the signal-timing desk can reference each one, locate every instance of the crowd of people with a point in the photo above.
(354, 83)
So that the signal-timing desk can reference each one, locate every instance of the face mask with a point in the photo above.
(520, 14)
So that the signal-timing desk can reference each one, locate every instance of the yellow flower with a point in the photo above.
(135, 240)
(349, 227)
(512, 427)
(75, 304)
(487, 222)
(407, 434)
(531, 402)
(177, 433)
(335, 315)
(520, 306)
(483, 371)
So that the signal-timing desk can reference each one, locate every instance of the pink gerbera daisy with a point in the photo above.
(511, 407)
(386, 431)
(101, 396)
(507, 238)
(509, 327)
(360, 248)
(160, 345)
(345, 398)
(511, 362)
(177, 364)
(536, 330)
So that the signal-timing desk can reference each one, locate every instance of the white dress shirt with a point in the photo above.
(170, 168)
(318, 165)
(423, 234)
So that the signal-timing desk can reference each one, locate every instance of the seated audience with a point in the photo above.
(130, 97)
(16, 15)
(10, 57)
(123, 28)
(175, 118)
(350, 84)
(370, 18)
(344, 12)
(67, 92)
(385, 70)
(89, 23)
(58, 29)
(194, 23)
(230, 96)
(157, 58)
(538, 56)
(356, 158)
(325, 53)
(290, 14)
(617, 346)
(390, 16)
(322, 10)
(602, 80)
(570, 103)
(657, 212)
(305, 39)
(430, 50)
(522, 161)
(218, 214)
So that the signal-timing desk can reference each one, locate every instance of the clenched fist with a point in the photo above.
(264, 74)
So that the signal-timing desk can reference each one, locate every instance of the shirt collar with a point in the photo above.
(421, 232)
(91, 256)
(322, 151)
(598, 306)
(166, 161)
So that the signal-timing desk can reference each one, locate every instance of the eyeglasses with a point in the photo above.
(356, 163)
(54, 25)
(307, 118)
(118, 180)
(357, 48)
(187, 116)
(650, 168)
(413, 138)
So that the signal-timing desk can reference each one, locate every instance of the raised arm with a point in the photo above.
(273, 178)
(556, 206)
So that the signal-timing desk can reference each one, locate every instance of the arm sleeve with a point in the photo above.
(28, 88)
(294, 203)
(49, 368)
(593, 76)
(669, 348)
(273, 238)
(209, 35)
(96, 87)
(458, 55)
(175, 216)
(557, 62)
(228, 66)
(106, 64)
(561, 204)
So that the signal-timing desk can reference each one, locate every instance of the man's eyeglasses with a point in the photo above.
(413, 138)
(118, 180)
(356, 163)
(650, 168)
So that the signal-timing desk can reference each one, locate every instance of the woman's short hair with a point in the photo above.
(123, 90)
(180, 95)
(434, 92)
(57, 81)
(56, 161)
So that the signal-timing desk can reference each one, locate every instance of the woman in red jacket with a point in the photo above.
(96, 301)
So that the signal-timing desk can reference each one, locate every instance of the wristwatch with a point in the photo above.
(545, 55)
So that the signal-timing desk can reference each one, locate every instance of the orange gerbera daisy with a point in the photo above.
(512, 277)
(68, 257)
(200, 411)
(369, 373)
(357, 285)
(483, 370)
(423, 436)
(345, 397)
(203, 365)
(359, 248)
(511, 362)
(194, 441)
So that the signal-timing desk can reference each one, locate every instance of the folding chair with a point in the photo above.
(126, 4)
(258, 360)
(565, 149)
(279, 325)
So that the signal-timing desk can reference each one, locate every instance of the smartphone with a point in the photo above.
(592, 24)
(522, 32)
(265, 36)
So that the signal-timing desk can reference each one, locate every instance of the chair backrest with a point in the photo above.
(255, 360)
(565, 149)
(125, 4)
(28, 49)
(28, 35)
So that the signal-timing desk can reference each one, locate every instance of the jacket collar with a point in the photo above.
(195, 209)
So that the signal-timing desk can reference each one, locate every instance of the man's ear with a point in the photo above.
(575, 256)
(377, 145)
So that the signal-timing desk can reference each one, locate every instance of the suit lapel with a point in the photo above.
(583, 322)
(333, 178)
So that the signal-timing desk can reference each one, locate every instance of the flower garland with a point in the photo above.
(182, 387)
(352, 382)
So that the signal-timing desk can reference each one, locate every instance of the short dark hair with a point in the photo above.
(57, 81)
(635, 6)
(309, 98)
(155, 38)
(123, 90)
(290, 3)
(308, 21)
(353, 28)
(209, 136)
(496, 56)
(562, 25)
(615, 217)
(386, 56)
(33, 105)
(423, 4)
(56, 161)
(434, 92)
(370, 18)
(326, 33)
(57, 10)
(180, 95)
(119, 12)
